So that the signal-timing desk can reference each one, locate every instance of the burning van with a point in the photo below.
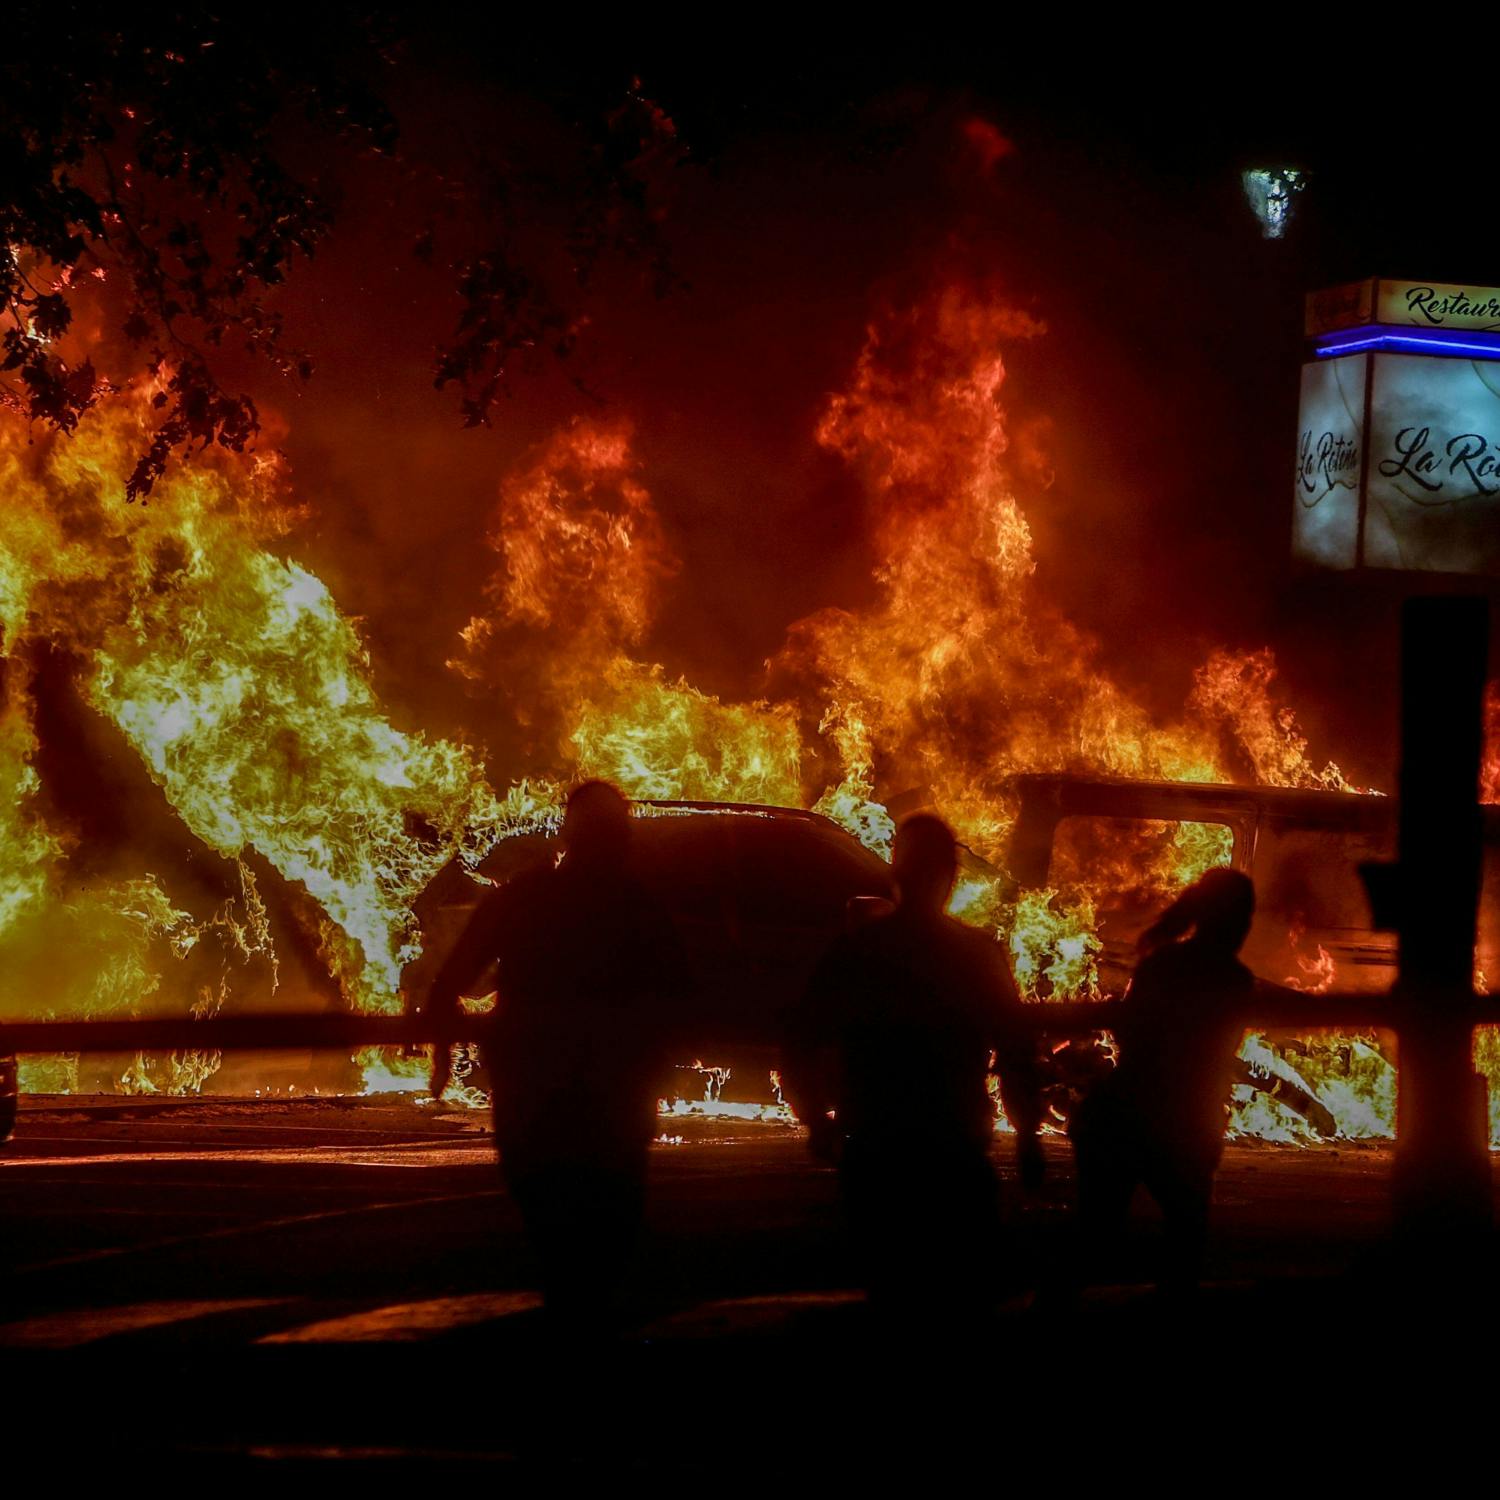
(1302, 848)
(1130, 844)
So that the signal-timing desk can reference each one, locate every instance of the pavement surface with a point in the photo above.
(343, 1282)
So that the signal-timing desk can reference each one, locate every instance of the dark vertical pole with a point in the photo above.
(1442, 1160)
(1365, 429)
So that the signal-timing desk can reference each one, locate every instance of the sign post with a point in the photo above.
(1442, 1157)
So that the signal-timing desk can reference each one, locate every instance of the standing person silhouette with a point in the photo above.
(590, 979)
(1158, 1119)
(895, 1036)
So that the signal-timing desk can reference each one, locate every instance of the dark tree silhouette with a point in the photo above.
(147, 171)
(610, 203)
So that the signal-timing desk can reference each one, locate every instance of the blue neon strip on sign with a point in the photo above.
(1411, 341)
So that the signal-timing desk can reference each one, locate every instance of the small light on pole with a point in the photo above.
(1271, 191)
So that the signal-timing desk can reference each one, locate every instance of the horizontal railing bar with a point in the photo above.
(254, 1032)
(280, 1031)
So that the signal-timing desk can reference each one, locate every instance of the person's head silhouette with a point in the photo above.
(925, 859)
(1217, 908)
(596, 827)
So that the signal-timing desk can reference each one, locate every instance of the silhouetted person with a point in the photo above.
(590, 980)
(1158, 1119)
(895, 1036)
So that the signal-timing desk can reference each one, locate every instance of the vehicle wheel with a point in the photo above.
(9, 1100)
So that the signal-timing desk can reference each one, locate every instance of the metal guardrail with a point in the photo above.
(251, 1032)
(290, 1030)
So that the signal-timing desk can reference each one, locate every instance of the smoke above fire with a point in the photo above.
(960, 674)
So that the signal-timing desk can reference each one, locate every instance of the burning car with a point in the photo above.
(756, 893)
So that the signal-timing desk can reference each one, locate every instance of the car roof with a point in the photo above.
(674, 833)
(703, 854)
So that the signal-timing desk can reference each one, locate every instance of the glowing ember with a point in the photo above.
(713, 1106)
(1314, 974)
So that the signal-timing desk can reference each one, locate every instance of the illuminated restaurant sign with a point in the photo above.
(1398, 464)
(1330, 462)
(1398, 442)
(1404, 304)
(1428, 305)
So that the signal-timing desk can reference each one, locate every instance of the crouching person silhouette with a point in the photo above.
(1158, 1119)
(895, 1035)
(590, 983)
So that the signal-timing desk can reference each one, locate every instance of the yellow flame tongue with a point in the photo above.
(234, 675)
(244, 693)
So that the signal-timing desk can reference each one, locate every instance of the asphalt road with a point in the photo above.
(344, 1281)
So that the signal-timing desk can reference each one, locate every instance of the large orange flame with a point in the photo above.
(232, 673)
(246, 692)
